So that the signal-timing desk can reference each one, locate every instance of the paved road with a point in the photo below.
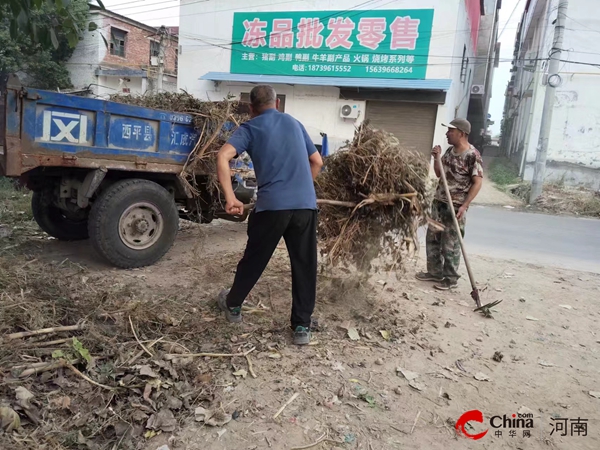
(566, 242)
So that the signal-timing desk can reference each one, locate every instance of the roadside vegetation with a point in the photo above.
(557, 197)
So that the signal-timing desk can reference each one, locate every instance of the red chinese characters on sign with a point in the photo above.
(255, 34)
(282, 35)
(405, 32)
(341, 30)
(371, 32)
(309, 33)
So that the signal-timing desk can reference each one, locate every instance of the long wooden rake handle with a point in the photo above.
(457, 226)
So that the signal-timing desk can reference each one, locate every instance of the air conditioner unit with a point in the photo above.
(349, 111)
(477, 89)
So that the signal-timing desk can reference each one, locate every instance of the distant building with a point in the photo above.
(488, 58)
(574, 143)
(124, 56)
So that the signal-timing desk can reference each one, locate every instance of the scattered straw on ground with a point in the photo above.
(99, 360)
(383, 191)
(559, 199)
(108, 363)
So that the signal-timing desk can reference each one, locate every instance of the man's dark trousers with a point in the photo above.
(265, 229)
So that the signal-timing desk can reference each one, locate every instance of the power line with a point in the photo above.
(430, 34)
(120, 7)
(433, 34)
(221, 10)
(583, 25)
(334, 52)
(201, 13)
(420, 64)
(510, 17)
(357, 64)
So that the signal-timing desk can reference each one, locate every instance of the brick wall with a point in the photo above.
(171, 49)
(137, 46)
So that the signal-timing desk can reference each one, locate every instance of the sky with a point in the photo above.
(508, 27)
(160, 12)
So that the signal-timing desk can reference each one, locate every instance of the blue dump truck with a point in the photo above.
(106, 171)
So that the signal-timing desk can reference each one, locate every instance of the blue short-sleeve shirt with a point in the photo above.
(279, 147)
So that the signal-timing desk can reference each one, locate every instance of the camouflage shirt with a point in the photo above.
(459, 171)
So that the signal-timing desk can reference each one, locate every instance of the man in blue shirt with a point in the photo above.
(286, 163)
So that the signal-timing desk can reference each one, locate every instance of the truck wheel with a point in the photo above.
(133, 223)
(61, 224)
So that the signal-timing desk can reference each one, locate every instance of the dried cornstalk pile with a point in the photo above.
(209, 121)
(373, 194)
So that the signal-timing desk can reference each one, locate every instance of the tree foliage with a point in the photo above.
(21, 15)
(38, 60)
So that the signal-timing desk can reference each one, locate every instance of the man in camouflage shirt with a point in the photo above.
(464, 173)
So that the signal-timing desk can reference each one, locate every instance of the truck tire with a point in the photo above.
(133, 223)
(57, 223)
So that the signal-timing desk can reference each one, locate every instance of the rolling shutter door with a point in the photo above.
(412, 123)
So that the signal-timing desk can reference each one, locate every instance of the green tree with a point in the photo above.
(21, 16)
(40, 61)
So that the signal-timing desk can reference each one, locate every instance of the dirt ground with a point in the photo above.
(350, 392)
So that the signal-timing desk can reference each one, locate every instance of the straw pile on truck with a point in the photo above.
(209, 121)
(373, 194)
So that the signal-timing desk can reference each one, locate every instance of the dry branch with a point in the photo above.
(23, 334)
(314, 444)
(40, 369)
(292, 398)
(49, 343)
(170, 356)
(250, 367)
(86, 378)
(138, 341)
(415, 423)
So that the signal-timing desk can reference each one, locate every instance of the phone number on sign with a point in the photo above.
(388, 69)
(328, 68)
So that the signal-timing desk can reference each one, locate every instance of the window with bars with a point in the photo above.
(117, 42)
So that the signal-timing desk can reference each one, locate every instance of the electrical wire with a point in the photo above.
(483, 58)
(583, 25)
(201, 13)
(222, 10)
(509, 18)
(120, 7)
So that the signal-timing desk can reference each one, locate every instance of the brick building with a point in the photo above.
(124, 56)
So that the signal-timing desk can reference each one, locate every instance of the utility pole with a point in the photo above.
(161, 59)
(553, 68)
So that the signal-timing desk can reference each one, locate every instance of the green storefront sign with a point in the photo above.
(358, 44)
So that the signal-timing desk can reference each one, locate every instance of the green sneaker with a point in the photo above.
(233, 315)
(301, 336)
